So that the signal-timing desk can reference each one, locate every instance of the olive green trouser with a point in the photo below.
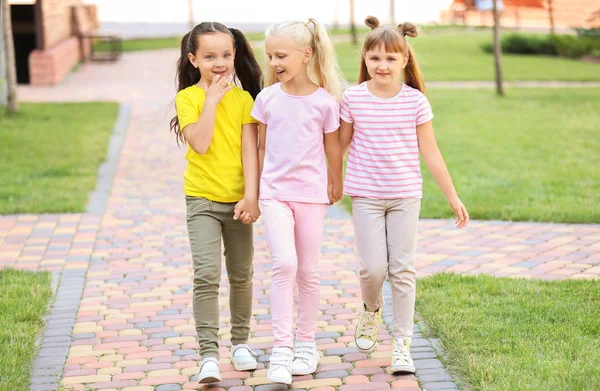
(207, 222)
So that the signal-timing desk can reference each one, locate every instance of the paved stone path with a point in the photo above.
(133, 330)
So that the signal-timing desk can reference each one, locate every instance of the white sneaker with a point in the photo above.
(280, 368)
(367, 328)
(209, 371)
(306, 358)
(243, 358)
(401, 360)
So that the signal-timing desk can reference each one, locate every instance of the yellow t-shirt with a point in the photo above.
(217, 175)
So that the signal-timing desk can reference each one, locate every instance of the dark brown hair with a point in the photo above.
(247, 70)
(393, 40)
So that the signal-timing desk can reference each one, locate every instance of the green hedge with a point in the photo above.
(570, 46)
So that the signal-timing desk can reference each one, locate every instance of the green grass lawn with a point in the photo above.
(531, 156)
(50, 155)
(513, 334)
(458, 56)
(24, 298)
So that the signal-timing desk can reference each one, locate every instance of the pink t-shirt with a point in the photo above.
(383, 161)
(294, 168)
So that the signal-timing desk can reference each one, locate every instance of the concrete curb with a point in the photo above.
(106, 171)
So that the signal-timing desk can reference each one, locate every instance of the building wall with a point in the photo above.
(2, 72)
(57, 21)
(567, 14)
(573, 13)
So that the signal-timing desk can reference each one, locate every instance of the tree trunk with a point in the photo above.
(353, 24)
(551, 16)
(392, 12)
(11, 72)
(497, 51)
(191, 22)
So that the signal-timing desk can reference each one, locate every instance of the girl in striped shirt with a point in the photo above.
(386, 123)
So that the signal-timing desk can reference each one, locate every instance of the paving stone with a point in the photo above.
(336, 374)
(439, 386)
(435, 378)
(340, 351)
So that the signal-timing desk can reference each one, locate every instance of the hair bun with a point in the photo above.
(372, 22)
(408, 29)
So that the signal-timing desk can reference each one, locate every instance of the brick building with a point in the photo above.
(46, 46)
(526, 13)
(2, 72)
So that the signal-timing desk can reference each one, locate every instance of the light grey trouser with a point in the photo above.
(386, 240)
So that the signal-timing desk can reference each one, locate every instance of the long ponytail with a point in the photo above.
(187, 75)
(247, 69)
(324, 64)
(412, 72)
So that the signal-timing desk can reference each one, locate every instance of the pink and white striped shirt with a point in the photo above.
(383, 161)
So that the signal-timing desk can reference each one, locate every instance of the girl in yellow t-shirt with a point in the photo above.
(220, 181)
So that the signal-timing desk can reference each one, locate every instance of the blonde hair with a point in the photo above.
(393, 40)
(323, 68)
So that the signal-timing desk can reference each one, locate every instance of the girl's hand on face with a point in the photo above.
(218, 88)
(462, 216)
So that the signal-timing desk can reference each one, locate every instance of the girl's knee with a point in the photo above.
(285, 268)
(308, 271)
(373, 273)
(403, 277)
(206, 276)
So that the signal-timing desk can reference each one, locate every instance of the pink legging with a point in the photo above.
(294, 232)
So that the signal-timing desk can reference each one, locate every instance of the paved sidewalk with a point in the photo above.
(133, 329)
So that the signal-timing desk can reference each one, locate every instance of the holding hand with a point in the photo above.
(218, 88)
(334, 192)
(247, 211)
(462, 216)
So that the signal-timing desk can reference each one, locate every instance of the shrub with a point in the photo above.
(560, 45)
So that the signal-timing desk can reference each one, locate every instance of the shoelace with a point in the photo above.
(401, 351)
(368, 325)
(281, 358)
(304, 353)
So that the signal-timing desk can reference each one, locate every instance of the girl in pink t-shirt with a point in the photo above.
(386, 123)
(298, 116)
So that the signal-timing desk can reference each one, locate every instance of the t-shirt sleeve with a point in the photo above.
(248, 106)
(258, 111)
(424, 112)
(187, 111)
(345, 113)
(332, 117)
